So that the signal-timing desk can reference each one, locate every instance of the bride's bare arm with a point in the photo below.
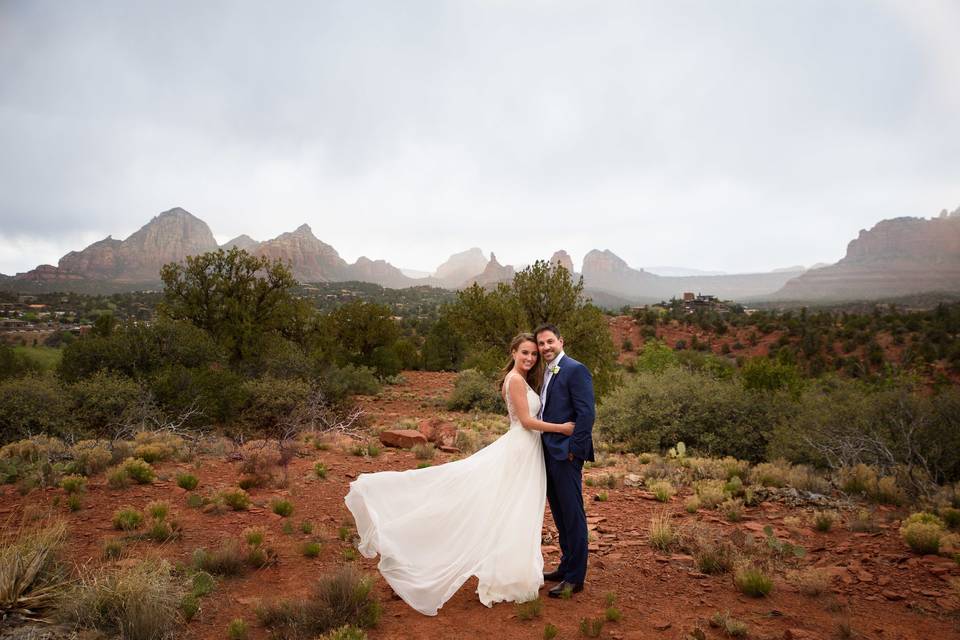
(517, 389)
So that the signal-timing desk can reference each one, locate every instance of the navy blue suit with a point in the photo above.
(569, 398)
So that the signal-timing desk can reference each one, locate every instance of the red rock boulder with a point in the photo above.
(402, 438)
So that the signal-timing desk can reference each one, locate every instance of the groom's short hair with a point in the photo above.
(546, 326)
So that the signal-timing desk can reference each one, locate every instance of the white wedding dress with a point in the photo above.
(481, 516)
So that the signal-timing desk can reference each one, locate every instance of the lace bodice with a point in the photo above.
(533, 401)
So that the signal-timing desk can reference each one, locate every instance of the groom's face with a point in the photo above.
(549, 344)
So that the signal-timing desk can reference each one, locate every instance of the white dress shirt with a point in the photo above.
(547, 376)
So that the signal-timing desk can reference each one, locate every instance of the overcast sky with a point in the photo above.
(729, 135)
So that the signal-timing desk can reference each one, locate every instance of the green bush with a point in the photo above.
(271, 400)
(652, 412)
(753, 582)
(187, 481)
(32, 405)
(103, 401)
(473, 391)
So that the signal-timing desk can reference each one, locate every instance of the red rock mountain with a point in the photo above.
(563, 259)
(310, 259)
(168, 237)
(461, 267)
(896, 257)
(492, 274)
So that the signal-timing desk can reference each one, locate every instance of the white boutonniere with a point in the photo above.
(555, 369)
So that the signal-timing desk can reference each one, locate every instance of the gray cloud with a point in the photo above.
(735, 136)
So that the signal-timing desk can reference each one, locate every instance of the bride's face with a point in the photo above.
(525, 356)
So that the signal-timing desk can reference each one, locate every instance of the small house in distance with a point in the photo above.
(692, 303)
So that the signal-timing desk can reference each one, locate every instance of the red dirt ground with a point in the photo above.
(879, 586)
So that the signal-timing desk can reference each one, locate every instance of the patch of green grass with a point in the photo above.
(602, 496)
(320, 470)
(350, 554)
(311, 549)
(236, 499)
(550, 631)
(344, 533)
(306, 527)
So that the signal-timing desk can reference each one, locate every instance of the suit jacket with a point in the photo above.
(570, 399)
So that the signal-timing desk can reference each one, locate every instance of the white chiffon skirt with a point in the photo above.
(436, 527)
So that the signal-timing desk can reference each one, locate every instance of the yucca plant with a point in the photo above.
(30, 576)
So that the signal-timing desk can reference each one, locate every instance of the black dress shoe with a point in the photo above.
(553, 576)
(563, 588)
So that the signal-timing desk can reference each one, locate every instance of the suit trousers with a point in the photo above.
(565, 495)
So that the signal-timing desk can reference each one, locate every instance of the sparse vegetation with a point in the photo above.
(138, 602)
(753, 581)
(529, 610)
(343, 598)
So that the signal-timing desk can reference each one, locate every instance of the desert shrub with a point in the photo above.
(651, 412)
(550, 631)
(732, 509)
(423, 451)
(282, 508)
(753, 581)
(311, 549)
(236, 499)
(127, 519)
(859, 478)
(229, 559)
(338, 383)
(271, 401)
(763, 374)
(91, 456)
(14, 364)
(823, 521)
(812, 581)
(136, 602)
(711, 556)
(922, 537)
(346, 632)
(103, 401)
(237, 629)
(771, 474)
(862, 522)
(473, 391)
(156, 446)
(662, 534)
(950, 517)
(710, 493)
(134, 469)
(728, 624)
(924, 517)
(662, 491)
(320, 470)
(32, 405)
(692, 504)
(32, 577)
(842, 423)
(73, 484)
(187, 481)
(343, 598)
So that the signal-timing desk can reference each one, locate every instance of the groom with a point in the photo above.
(566, 395)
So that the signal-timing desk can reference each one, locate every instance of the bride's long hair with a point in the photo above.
(535, 375)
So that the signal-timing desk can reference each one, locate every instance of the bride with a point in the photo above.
(481, 516)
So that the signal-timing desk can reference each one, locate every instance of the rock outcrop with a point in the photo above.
(563, 259)
(168, 237)
(461, 267)
(243, 241)
(380, 272)
(310, 259)
(896, 257)
(493, 274)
